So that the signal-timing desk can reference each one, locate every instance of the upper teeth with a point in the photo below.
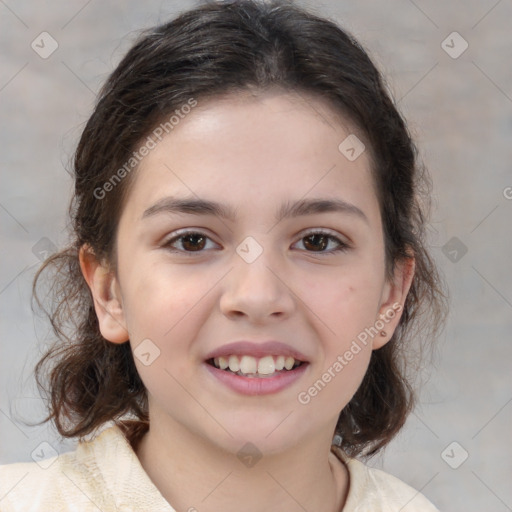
(248, 364)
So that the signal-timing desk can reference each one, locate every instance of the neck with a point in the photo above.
(192, 474)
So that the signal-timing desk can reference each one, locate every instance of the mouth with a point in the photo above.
(251, 367)
(256, 368)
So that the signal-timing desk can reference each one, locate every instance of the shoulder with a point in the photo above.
(374, 490)
(37, 485)
(89, 478)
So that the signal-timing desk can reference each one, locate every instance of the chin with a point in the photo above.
(270, 437)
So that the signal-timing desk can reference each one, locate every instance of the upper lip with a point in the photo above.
(259, 349)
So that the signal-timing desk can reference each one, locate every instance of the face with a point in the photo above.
(297, 258)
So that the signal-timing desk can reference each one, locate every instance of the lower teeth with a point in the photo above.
(256, 375)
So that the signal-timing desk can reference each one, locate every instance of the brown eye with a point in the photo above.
(316, 242)
(193, 242)
(188, 242)
(322, 242)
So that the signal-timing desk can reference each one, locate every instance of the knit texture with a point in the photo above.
(104, 474)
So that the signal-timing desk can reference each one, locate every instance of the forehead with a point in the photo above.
(256, 150)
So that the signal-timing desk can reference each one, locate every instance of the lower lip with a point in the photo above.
(257, 385)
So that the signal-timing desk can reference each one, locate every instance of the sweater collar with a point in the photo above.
(129, 483)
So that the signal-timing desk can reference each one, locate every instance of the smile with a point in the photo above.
(254, 383)
(253, 367)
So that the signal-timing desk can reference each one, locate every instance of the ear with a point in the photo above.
(393, 298)
(106, 295)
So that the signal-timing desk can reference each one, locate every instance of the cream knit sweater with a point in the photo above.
(105, 475)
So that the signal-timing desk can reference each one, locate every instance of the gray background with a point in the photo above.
(460, 111)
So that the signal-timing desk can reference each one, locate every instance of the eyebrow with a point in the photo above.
(196, 206)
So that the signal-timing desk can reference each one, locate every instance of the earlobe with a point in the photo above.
(393, 300)
(106, 295)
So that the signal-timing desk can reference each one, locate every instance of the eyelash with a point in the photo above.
(341, 247)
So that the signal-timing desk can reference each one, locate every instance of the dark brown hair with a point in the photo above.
(210, 51)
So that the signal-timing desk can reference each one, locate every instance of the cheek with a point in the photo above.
(162, 318)
(158, 298)
(168, 307)
(345, 300)
(334, 383)
(345, 303)
(345, 307)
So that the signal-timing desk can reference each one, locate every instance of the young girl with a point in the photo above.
(246, 274)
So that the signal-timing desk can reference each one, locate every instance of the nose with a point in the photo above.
(258, 291)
